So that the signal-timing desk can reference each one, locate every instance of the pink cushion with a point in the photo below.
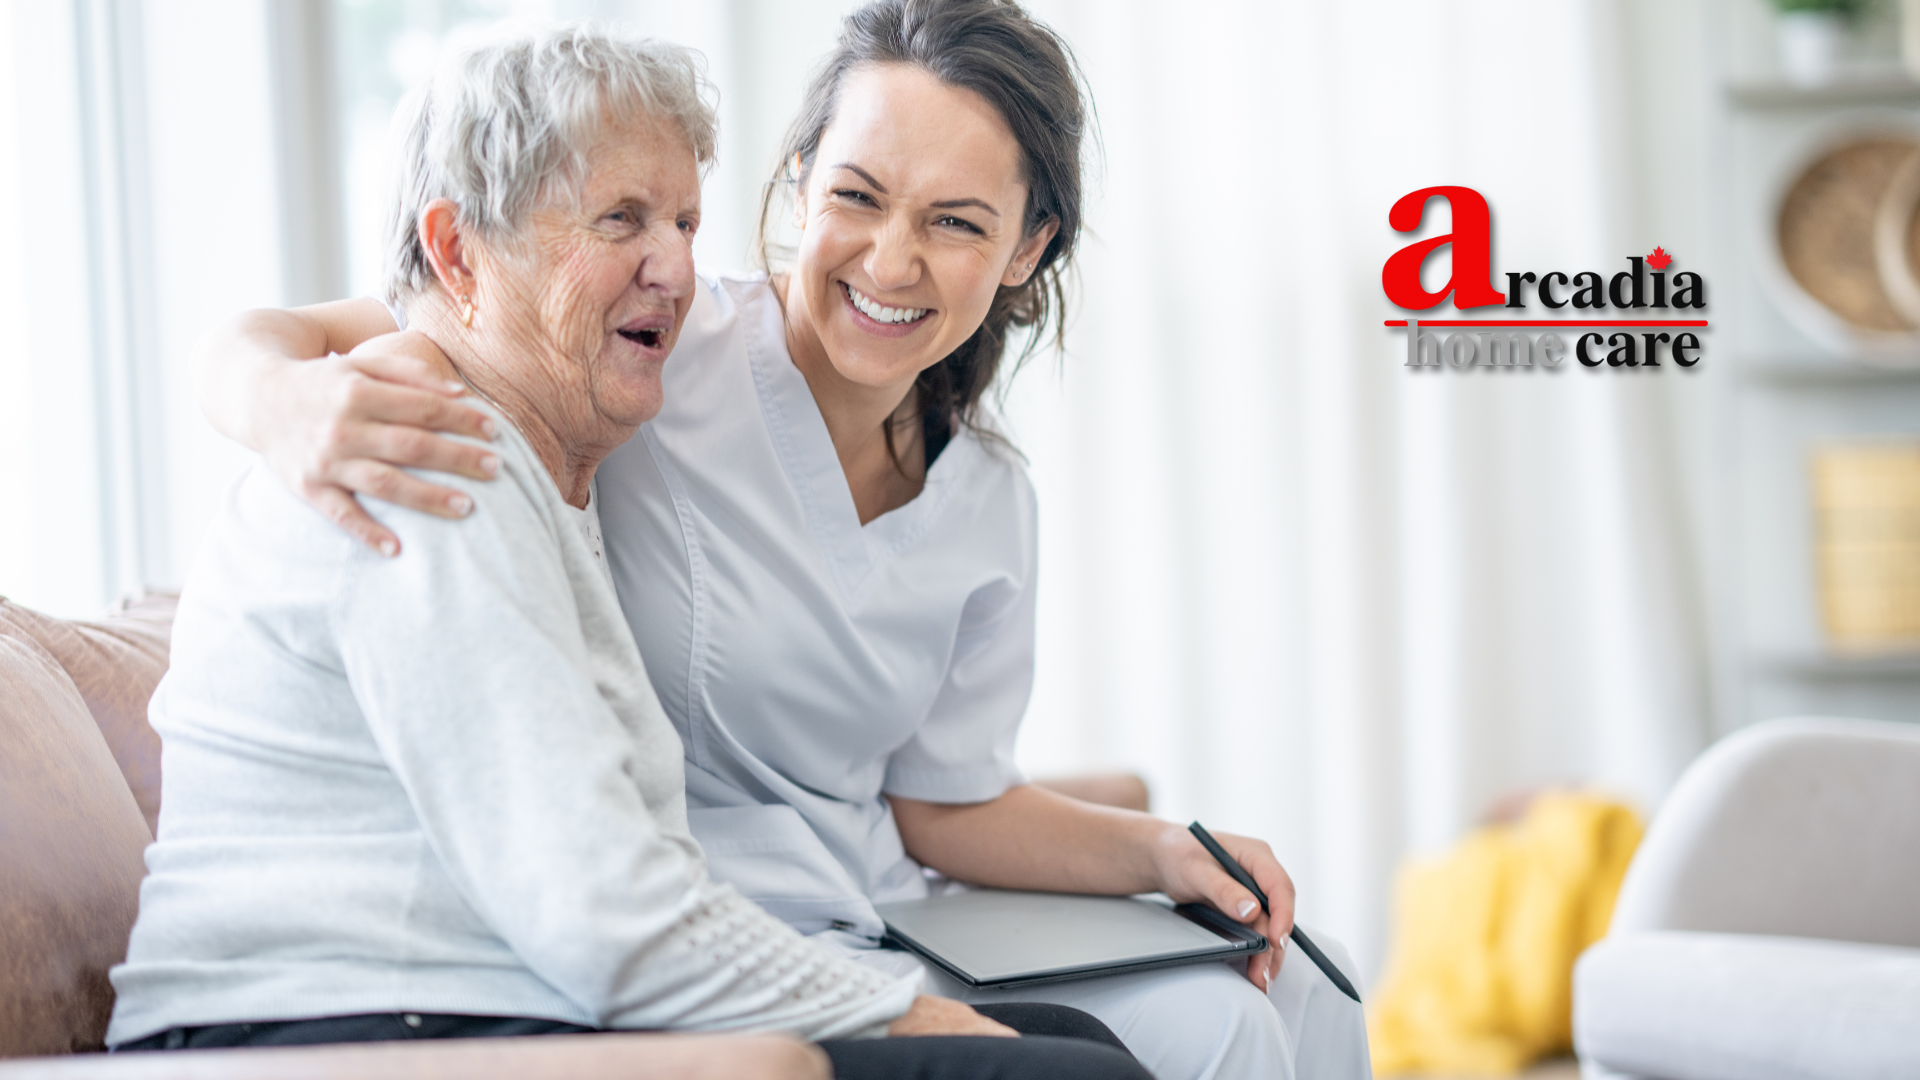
(71, 844)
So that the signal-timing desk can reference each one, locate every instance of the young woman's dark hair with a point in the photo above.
(1023, 69)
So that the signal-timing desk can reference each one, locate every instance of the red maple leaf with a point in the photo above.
(1659, 259)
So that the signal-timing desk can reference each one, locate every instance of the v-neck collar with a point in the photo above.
(853, 552)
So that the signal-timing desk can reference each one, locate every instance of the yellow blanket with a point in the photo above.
(1480, 977)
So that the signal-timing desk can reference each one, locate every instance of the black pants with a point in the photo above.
(1057, 1043)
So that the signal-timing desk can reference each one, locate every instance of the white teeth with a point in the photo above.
(881, 313)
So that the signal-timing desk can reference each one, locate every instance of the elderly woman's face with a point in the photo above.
(912, 215)
(598, 293)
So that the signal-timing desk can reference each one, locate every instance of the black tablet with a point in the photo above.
(997, 938)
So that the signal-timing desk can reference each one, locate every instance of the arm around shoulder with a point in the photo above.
(335, 427)
(235, 364)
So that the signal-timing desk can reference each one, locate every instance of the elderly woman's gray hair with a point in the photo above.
(504, 128)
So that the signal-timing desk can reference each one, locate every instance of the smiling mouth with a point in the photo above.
(651, 339)
(880, 313)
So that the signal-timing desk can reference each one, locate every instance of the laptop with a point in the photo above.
(999, 938)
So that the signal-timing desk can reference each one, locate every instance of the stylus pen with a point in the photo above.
(1239, 874)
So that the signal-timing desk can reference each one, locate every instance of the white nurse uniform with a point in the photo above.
(812, 664)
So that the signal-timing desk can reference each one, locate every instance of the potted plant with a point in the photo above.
(1813, 37)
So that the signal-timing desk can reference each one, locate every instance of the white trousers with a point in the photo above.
(1207, 1022)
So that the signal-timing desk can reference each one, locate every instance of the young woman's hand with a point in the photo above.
(1189, 874)
(944, 1016)
(350, 424)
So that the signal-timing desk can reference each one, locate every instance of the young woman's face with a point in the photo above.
(912, 218)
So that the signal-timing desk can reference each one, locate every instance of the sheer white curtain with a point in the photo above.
(1312, 595)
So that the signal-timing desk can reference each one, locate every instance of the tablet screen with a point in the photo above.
(994, 935)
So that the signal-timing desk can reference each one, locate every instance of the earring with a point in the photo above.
(466, 311)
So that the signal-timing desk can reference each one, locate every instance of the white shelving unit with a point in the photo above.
(1785, 395)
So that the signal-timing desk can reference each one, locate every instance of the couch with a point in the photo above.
(79, 795)
(79, 801)
(1769, 925)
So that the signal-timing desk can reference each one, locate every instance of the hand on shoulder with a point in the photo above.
(346, 426)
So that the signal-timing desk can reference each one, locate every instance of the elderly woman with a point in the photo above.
(437, 795)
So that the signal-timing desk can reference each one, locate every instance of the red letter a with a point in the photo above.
(1472, 240)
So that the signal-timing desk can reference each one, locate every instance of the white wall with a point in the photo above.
(216, 215)
(51, 471)
(17, 557)
(187, 223)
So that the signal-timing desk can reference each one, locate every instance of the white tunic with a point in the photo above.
(811, 663)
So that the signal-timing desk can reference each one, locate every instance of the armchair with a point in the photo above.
(1769, 926)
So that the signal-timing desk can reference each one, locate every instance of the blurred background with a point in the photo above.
(1307, 593)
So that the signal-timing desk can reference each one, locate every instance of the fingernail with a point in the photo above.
(487, 427)
(489, 464)
(456, 387)
(389, 548)
(1246, 908)
(460, 504)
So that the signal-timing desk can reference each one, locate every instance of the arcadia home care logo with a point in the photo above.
(1629, 340)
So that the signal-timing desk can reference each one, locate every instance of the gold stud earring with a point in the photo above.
(466, 311)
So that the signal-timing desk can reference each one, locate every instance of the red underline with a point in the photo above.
(1552, 322)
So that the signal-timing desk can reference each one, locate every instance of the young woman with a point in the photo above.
(827, 559)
